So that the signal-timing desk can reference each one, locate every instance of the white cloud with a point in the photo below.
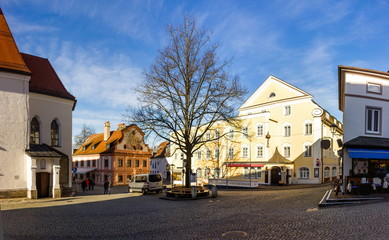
(21, 27)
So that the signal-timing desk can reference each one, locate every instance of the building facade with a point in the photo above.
(363, 98)
(36, 124)
(113, 155)
(160, 161)
(284, 137)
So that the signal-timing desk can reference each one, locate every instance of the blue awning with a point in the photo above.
(368, 153)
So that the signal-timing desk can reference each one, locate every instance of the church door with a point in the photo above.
(42, 184)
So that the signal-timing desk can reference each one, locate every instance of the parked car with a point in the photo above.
(151, 182)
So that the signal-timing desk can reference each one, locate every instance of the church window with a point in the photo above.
(35, 131)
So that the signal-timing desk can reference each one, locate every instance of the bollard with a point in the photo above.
(214, 191)
(194, 191)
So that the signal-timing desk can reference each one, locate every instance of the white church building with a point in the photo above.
(35, 124)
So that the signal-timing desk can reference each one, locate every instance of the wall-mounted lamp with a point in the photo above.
(268, 138)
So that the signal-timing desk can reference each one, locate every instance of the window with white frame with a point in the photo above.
(330, 149)
(245, 132)
(208, 153)
(326, 172)
(373, 120)
(208, 136)
(246, 172)
(287, 130)
(198, 172)
(245, 152)
(308, 128)
(217, 134)
(287, 110)
(207, 172)
(334, 171)
(307, 150)
(259, 152)
(287, 151)
(217, 153)
(198, 154)
(231, 153)
(231, 134)
(259, 130)
(217, 172)
(304, 172)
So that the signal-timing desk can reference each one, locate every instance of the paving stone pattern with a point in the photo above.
(262, 214)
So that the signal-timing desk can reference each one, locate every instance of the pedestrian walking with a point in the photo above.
(83, 185)
(110, 186)
(91, 184)
(87, 182)
(106, 185)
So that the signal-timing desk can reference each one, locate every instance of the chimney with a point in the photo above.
(107, 130)
(121, 126)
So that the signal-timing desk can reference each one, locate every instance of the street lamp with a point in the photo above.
(333, 128)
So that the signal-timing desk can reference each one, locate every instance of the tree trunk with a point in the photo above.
(188, 170)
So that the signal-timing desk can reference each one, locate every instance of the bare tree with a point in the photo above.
(80, 138)
(186, 91)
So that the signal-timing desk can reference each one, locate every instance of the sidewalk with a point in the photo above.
(331, 198)
(89, 196)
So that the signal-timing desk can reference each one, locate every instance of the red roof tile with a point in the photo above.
(44, 79)
(10, 59)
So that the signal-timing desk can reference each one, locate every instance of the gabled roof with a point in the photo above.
(95, 143)
(44, 79)
(10, 59)
(280, 91)
(162, 150)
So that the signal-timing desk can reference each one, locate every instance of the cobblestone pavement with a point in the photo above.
(263, 214)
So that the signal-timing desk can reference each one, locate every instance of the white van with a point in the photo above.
(146, 183)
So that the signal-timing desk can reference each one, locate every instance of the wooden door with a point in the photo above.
(42, 184)
(275, 175)
(266, 176)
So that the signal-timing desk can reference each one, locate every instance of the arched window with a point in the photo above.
(217, 172)
(34, 131)
(304, 172)
(334, 171)
(207, 172)
(198, 172)
(326, 172)
(54, 133)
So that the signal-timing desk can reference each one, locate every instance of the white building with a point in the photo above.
(161, 162)
(363, 98)
(36, 124)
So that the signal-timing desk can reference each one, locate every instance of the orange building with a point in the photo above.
(113, 155)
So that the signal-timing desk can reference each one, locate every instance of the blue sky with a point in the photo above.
(101, 48)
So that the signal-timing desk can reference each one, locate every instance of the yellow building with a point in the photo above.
(284, 138)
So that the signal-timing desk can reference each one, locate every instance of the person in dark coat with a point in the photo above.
(106, 185)
(83, 185)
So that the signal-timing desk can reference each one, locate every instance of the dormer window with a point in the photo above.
(272, 95)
